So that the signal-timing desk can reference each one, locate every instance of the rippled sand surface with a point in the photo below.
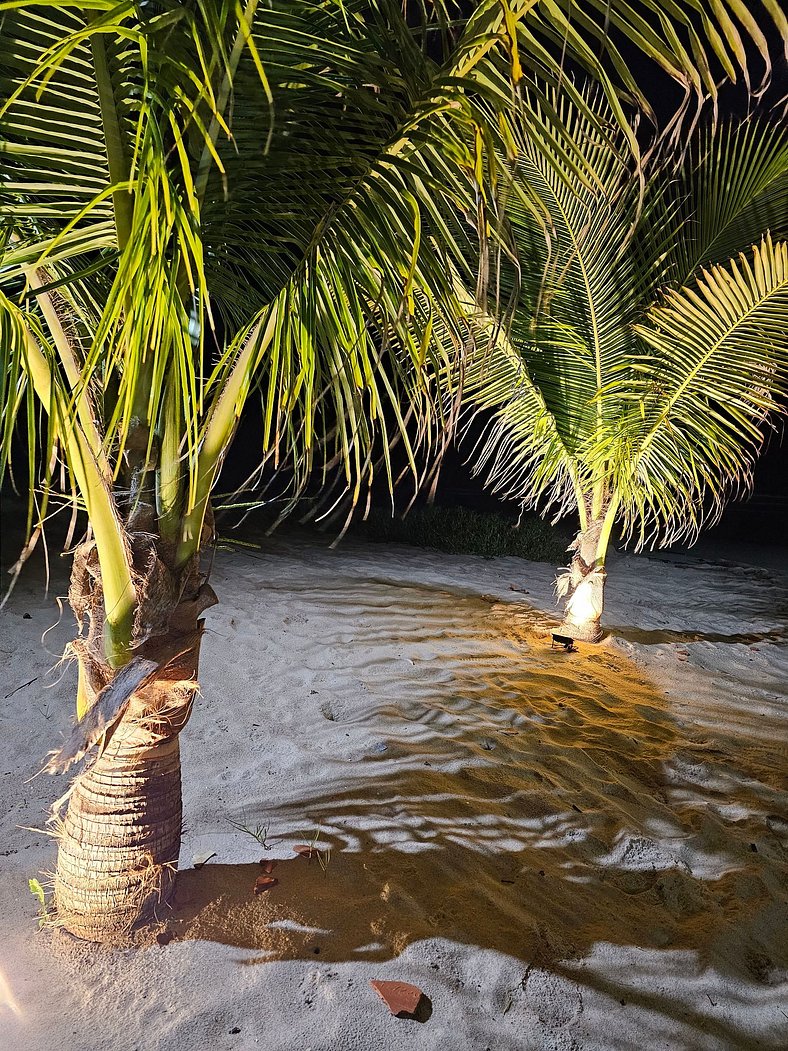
(582, 850)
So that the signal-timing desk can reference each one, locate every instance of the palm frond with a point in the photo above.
(731, 186)
(574, 328)
(717, 372)
(570, 198)
(519, 450)
(52, 148)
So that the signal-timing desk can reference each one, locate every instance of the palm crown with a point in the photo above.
(641, 363)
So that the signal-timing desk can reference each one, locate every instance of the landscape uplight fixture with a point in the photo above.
(565, 641)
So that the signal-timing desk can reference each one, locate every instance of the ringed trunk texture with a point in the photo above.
(586, 601)
(120, 838)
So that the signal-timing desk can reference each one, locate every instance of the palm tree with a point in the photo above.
(200, 201)
(646, 357)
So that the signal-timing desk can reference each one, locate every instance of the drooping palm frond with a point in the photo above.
(353, 180)
(698, 45)
(731, 186)
(714, 375)
(520, 449)
(55, 164)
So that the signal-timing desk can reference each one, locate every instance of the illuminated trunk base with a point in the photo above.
(586, 600)
(120, 838)
(121, 835)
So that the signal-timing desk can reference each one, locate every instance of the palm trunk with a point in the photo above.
(586, 586)
(120, 838)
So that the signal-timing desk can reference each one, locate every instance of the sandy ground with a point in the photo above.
(583, 851)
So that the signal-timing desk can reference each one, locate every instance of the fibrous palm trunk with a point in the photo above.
(585, 586)
(120, 838)
(121, 835)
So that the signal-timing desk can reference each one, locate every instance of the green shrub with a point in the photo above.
(462, 531)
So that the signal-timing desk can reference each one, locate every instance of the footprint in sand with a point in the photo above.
(334, 711)
(316, 986)
(681, 895)
(554, 1000)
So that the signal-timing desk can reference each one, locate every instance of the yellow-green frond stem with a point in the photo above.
(170, 467)
(117, 159)
(607, 529)
(56, 325)
(116, 575)
(219, 428)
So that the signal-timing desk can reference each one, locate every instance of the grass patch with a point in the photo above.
(461, 531)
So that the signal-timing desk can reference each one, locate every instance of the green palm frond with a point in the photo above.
(520, 449)
(740, 187)
(56, 150)
(716, 372)
(571, 200)
(661, 410)
(579, 312)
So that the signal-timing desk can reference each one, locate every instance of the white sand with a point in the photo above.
(564, 851)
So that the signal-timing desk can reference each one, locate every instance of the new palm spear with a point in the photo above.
(647, 353)
(288, 175)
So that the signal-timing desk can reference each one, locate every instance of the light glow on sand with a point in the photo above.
(8, 1002)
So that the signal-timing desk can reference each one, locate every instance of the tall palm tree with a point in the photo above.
(202, 200)
(646, 357)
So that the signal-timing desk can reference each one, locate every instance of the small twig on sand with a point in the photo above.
(259, 832)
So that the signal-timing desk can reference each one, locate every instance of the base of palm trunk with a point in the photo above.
(591, 632)
(120, 838)
(119, 842)
(586, 587)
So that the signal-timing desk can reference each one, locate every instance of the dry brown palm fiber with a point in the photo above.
(109, 706)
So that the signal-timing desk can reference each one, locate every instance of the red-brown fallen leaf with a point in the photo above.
(264, 883)
(305, 850)
(401, 998)
(267, 865)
